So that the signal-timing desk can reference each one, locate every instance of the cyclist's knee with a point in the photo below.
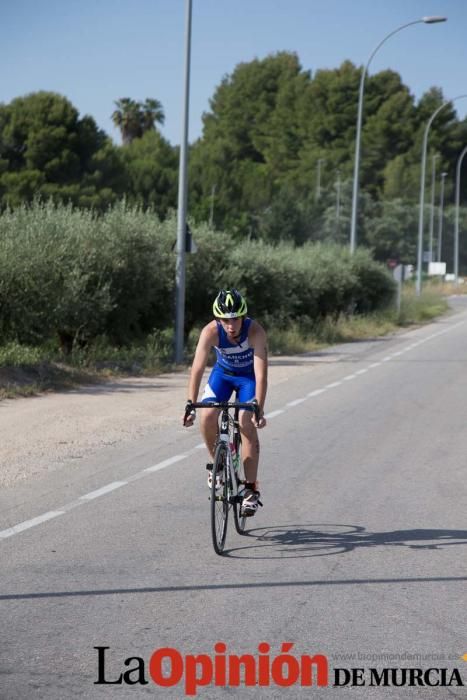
(209, 417)
(247, 428)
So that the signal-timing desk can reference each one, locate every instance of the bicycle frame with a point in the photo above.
(228, 428)
(226, 419)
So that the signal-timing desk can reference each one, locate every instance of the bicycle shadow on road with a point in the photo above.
(319, 540)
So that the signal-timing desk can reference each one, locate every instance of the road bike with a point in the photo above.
(228, 476)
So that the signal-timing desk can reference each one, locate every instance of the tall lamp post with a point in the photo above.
(318, 178)
(211, 213)
(182, 202)
(432, 208)
(418, 285)
(338, 202)
(441, 215)
(353, 224)
(456, 226)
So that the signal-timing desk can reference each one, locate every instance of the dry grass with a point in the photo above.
(415, 310)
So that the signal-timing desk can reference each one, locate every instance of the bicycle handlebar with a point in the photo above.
(222, 405)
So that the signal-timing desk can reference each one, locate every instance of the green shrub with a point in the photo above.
(375, 288)
(70, 273)
(75, 275)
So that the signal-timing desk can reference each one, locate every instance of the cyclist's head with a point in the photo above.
(229, 303)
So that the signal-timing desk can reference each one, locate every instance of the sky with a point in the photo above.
(97, 51)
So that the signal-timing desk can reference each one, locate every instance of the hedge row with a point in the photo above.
(70, 273)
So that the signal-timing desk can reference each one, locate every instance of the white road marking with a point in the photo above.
(296, 402)
(165, 463)
(273, 414)
(30, 523)
(100, 492)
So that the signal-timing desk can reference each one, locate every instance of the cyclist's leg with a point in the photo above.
(218, 388)
(208, 426)
(250, 441)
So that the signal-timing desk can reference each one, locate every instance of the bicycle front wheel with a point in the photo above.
(219, 498)
(239, 519)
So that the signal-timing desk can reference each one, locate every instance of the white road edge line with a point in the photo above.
(296, 402)
(30, 523)
(100, 492)
(165, 463)
(273, 414)
(316, 392)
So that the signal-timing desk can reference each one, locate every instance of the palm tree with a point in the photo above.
(127, 118)
(135, 118)
(152, 114)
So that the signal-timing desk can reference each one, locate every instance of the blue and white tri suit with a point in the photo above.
(233, 370)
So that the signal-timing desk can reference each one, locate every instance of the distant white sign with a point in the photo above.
(437, 268)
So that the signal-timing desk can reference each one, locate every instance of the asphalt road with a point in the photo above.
(359, 553)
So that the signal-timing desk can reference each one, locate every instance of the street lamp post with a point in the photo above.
(318, 178)
(441, 214)
(432, 208)
(211, 213)
(418, 285)
(353, 224)
(182, 203)
(456, 227)
(338, 203)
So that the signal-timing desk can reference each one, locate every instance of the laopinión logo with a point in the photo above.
(167, 667)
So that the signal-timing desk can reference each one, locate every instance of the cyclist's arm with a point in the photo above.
(207, 340)
(260, 363)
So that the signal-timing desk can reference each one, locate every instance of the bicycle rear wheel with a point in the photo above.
(240, 520)
(219, 499)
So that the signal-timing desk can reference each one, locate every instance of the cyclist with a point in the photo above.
(241, 350)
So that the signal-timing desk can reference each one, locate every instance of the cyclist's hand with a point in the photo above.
(261, 422)
(189, 415)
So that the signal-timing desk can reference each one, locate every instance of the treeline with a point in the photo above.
(71, 276)
(48, 151)
(274, 162)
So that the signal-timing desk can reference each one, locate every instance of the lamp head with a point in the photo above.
(434, 19)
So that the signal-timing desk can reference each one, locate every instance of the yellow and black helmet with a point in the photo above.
(229, 303)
